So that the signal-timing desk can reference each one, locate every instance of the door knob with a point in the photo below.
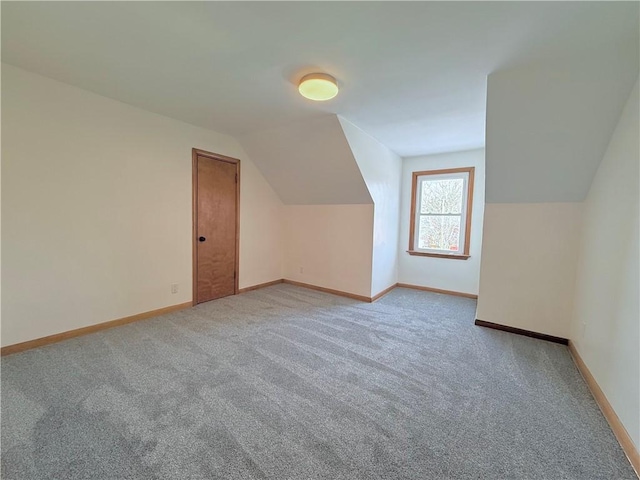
(202, 239)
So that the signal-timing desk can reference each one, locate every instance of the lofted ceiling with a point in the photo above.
(548, 127)
(309, 163)
(412, 74)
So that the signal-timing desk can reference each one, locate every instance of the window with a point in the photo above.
(441, 213)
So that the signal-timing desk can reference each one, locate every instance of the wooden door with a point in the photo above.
(216, 195)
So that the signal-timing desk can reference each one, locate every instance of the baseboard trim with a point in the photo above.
(260, 285)
(520, 331)
(340, 293)
(437, 290)
(59, 337)
(607, 410)
(383, 293)
(379, 295)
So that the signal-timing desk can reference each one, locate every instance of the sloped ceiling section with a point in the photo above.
(308, 163)
(548, 126)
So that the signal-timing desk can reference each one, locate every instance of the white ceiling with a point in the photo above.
(548, 128)
(412, 74)
(309, 163)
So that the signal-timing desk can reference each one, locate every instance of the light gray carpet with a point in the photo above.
(289, 383)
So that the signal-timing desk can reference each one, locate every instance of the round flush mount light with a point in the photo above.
(318, 87)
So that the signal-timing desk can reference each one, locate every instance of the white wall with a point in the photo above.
(332, 244)
(96, 201)
(443, 273)
(381, 170)
(261, 227)
(527, 275)
(606, 326)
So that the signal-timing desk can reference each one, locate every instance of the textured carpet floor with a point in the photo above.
(289, 383)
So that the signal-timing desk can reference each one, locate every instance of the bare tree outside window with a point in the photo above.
(441, 212)
(442, 196)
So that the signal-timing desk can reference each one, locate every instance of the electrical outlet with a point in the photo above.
(174, 288)
(301, 270)
(584, 329)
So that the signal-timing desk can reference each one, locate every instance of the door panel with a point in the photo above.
(216, 229)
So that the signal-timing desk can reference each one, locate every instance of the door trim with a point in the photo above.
(195, 153)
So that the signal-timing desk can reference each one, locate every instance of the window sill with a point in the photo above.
(456, 256)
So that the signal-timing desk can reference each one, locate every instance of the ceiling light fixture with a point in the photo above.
(318, 87)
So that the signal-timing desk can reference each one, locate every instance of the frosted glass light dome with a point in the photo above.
(318, 87)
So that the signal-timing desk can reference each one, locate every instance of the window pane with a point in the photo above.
(442, 196)
(439, 233)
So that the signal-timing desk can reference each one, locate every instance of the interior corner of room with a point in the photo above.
(103, 225)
